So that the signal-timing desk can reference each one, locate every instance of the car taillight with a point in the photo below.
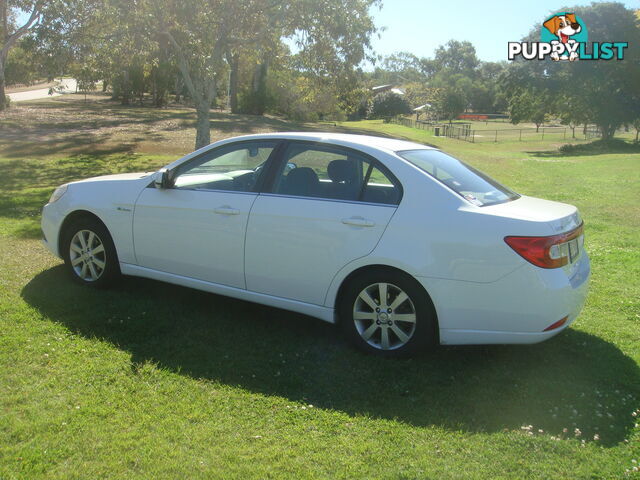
(545, 252)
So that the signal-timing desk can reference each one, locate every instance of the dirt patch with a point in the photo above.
(70, 125)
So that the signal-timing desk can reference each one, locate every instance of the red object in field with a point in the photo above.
(471, 116)
(557, 324)
(537, 250)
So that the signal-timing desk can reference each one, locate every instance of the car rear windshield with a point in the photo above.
(471, 184)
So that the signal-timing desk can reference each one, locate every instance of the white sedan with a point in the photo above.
(400, 244)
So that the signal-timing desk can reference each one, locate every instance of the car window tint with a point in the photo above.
(466, 181)
(380, 189)
(333, 173)
(236, 168)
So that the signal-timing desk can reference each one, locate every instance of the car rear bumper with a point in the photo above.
(515, 309)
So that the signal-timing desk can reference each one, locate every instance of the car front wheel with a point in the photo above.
(89, 253)
(387, 313)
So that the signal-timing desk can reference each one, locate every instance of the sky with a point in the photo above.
(420, 26)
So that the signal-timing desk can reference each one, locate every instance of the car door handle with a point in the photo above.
(358, 222)
(226, 210)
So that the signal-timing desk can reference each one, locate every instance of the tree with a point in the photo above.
(456, 73)
(604, 88)
(331, 34)
(418, 94)
(86, 78)
(450, 102)
(529, 106)
(10, 33)
(389, 104)
(48, 34)
(457, 57)
(406, 67)
(23, 63)
(578, 114)
(636, 125)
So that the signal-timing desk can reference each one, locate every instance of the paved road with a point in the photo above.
(66, 85)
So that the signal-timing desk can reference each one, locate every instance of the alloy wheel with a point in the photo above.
(87, 255)
(384, 316)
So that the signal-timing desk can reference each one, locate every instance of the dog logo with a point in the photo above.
(562, 28)
(564, 36)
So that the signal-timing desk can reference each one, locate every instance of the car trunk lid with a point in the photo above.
(561, 217)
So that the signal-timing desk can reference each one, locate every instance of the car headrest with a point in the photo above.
(301, 181)
(342, 171)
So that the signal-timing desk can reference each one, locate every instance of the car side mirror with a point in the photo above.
(161, 179)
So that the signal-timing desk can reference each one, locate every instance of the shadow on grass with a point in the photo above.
(555, 385)
(21, 146)
(597, 147)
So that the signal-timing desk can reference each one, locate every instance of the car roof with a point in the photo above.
(344, 139)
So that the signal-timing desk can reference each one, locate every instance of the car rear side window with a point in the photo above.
(334, 173)
(471, 184)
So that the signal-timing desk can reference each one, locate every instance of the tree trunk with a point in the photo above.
(178, 88)
(259, 103)
(154, 87)
(3, 98)
(126, 89)
(233, 84)
(202, 90)
(3, 35)
(203, 128)
(160, 75)
(608, 131)
(161, 80)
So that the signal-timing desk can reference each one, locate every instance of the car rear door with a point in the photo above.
(316, 218)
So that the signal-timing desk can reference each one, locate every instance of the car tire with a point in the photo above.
(89, 253)
(401, 324)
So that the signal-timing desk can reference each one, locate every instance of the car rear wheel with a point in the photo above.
(387, 313)
(89, 253)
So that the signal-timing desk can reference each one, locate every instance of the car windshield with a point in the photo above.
(471, 184)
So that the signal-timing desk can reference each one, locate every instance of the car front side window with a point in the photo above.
(235, 167)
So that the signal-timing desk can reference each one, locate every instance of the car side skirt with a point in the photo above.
(317, 311)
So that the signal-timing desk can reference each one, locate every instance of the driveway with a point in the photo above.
(65, 85)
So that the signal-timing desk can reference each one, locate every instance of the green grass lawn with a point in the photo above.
(150, 380)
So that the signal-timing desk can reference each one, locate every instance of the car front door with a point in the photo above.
(327, 206)
(196, 227)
